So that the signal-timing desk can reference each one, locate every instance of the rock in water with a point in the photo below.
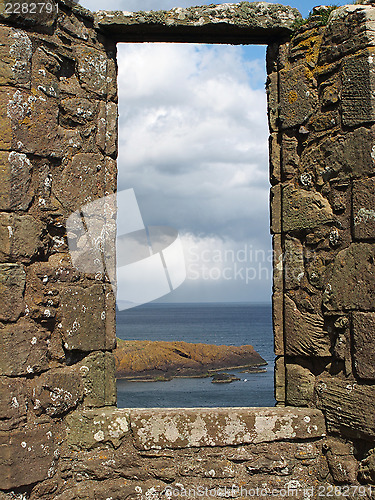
(148, 360)
(224, 378)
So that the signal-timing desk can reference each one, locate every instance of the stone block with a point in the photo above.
(304, 209)
(15, 57)
(364, 344)
(92, 69)
(350, 280)
(57, 392)
(278, 322)
(198, 427)
(300, 384)
(27, 456)
(6, 134)
(341, 202)
(81, 181)
(277, 296)
(349, 408)
(274, 148)
(13, 403)
(341, 157)
(290, 158)
(349, 30)
(111, 128)
(77, 111)
(294, 269)
(73, 27)
(24, 348)
(44, 19)
(364, 209)
(358, 82)
(110, 176)
(342, 464)
(15, 176)
(262, 23)
(88, 429)
(33, 117)
(273, 101)
(82, 315)
(101, 126)
(98, 375)
(367, 468)
(20, 237)
(275, 206)
(304, 332)
(280, 381)
(298, 96)
(12, 286)
(112, 73)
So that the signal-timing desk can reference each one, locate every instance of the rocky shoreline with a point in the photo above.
(161, 361)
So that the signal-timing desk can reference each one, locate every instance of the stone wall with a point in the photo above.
(58, 120)
(322, 167)
(61, 436)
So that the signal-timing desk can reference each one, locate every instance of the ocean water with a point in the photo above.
(209, 323)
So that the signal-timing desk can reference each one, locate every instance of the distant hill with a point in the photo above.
(147, 360)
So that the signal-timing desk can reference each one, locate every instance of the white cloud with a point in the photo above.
(193, 137)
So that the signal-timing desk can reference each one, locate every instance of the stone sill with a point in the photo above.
(156, 429)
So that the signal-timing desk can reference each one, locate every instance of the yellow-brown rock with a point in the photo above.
(145, 359)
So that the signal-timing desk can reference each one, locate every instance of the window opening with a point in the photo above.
(193, 141)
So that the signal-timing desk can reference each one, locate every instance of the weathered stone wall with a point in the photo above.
(61, 436)
(58, 119)
(322, 115)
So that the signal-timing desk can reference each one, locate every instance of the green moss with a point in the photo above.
(320, 18)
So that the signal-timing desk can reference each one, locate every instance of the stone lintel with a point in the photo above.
(244, 22)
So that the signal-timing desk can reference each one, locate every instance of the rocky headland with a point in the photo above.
(147, 360)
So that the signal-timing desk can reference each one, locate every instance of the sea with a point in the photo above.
(209, 323)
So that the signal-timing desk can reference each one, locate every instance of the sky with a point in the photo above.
(193, 144)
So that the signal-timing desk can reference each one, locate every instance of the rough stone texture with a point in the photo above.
(358, 104)
(341, 400)
(13, 403)
(16, 51)
(280, 381)
(255, 22)
(220, 427)
(343, 466)
(43, 19)
(20, 237)
(367, 468)
(363, 209)
(304, 209)
(300, 385)
(90, 428)
(57, 391)
(24, 348)
(58, 128)
(12, 286)
(277, 296)
(27, 455)
(83, 319)
(298, 96)
(275, 205)
(351, 280)
(305, 334)
(15, 171)
(294, 269)
(364, 344)
(98, 375)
